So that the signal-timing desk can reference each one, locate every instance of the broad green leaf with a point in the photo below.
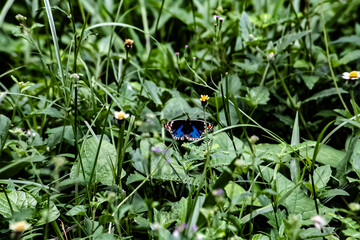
(52, 112)
(356, 164)
(48, 214)
(257, 96)
(288, 39)
(324, 93)
(56, 135)
(333, 192)
(260, 237)
(173, 108)
(19, 201)
(285, 119)
(105, 167)
(314, 233)
(134, 177)
(105, 236)
(351, 233)
(349, 57)
(310, 81)
(297, 202)
(245, 26)
(353, 39)
(4, 128)
(77, 210)
(249, 68)
(13, 167)
(322, 176)
(153, 92)
(326, 155)
(301, 63)
(239, 195)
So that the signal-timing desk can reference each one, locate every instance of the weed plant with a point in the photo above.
(87, 86)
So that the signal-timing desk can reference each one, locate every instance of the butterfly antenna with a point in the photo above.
(194, 113)
(187, 116)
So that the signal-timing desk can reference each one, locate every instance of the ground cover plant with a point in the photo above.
(180, 119)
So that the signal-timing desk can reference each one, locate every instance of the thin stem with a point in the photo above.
(328, 57)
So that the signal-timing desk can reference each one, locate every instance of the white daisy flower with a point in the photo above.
(319, 222)
(354, 75)
(121, 115)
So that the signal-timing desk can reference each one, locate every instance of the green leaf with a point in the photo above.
(322, 176)
(257, 96)
(13, 167)
(48, 214)
(349, 57)
(310, 81)
(297, 202)
(173, 108)
(351, 233)
(245, 26)
(239, 195)
(77, 210)
(105, 236)
(356, 164)
(4, 128)
(56, 135)
(52, 112)
(324, 93)
(19, 201)
(353, 39)
(332, 193)
(152, 91)
(288, 39)
(301, 63)
(104, 170)
(326, 155)
(249, 68)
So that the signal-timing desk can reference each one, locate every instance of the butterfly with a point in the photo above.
(189, 129)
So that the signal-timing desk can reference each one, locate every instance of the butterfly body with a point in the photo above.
(191, 130)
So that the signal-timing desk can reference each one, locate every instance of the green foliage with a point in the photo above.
(83, 148)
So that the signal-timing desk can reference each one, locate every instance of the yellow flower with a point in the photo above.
(204, 98)
(128, 43)
(20, 226)
(354, 75)
(121, 115)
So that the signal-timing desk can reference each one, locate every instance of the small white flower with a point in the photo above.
(33, 134)
(319, 222)
(354, 75)
(121, 115)
(75, 76)
(254, 139)
(20, 226)
(20, 17)
(48, 148)
(176, 233)
(271, 56)
(155, 226)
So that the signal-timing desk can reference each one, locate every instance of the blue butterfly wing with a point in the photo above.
(198, 128)
(195, 133)
(189, 129)
(176, 128)
(178, 132)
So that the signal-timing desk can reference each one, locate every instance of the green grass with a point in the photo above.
(285, 145)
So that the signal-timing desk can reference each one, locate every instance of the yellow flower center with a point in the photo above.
(20, 226)
(354, 74)
(204, 98)
(120, 115)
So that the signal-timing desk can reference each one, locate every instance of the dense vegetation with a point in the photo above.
(87, 86)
